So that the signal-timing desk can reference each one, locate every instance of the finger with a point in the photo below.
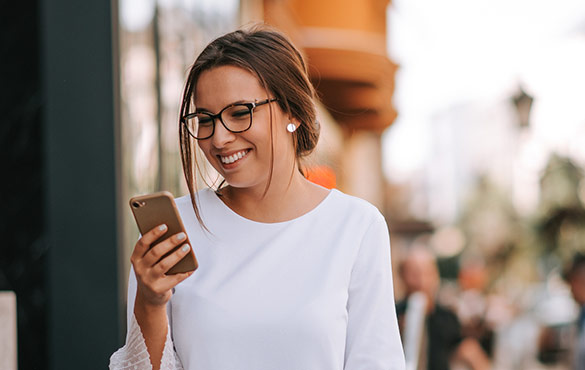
(160, 250)
(145, 242)
(170, 281)
(165, 264)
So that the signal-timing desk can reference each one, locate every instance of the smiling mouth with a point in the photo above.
(234, 157)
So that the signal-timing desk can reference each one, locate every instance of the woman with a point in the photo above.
(291, 275)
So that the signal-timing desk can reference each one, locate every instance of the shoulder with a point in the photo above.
(347, 213)
(444, 311)
(183, 200)
(203, 199)
(357, 207)
(202, 195)
(445, 316)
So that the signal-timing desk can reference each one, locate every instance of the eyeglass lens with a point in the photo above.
(236, 118)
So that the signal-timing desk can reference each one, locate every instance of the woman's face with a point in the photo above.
(221, 86)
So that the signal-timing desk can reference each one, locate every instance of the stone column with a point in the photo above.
(362, 166)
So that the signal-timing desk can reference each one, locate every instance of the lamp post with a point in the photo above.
(523, 103)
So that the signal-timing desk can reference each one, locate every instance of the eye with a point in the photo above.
(239, 113)
(204, 120)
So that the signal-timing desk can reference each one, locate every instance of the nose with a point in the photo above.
(222, 136)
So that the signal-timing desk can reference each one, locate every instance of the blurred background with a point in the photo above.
(462, 121)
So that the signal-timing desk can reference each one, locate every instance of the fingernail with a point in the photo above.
(162, 227)
(185, 248)
(180, 236)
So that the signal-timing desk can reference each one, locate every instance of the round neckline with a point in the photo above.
(237, 215)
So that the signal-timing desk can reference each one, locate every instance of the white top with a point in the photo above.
(311, 293)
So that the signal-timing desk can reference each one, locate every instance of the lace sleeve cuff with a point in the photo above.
(170, 360)
(134, 355)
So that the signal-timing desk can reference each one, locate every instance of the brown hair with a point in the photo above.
(281, 70)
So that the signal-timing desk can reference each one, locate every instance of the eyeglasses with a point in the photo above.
(235, 118)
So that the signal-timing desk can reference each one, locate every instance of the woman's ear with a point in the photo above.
(293, 124)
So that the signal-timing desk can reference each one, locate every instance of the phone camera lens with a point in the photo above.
(135, 204)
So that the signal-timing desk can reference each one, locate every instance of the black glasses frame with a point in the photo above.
(251, 106)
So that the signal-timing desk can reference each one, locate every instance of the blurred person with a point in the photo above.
(292, 276)
(443, 342)
(575, 276)
(478, 313)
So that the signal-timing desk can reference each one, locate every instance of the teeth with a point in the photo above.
(234, 157)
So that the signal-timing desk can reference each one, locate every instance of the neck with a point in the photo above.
(285, 199)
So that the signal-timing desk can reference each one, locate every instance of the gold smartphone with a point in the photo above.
(159, 208)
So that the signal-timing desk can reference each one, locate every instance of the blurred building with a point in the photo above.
(345, 45)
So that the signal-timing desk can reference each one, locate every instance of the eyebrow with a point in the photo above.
(205, 110)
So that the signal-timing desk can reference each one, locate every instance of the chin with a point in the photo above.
(240, 183)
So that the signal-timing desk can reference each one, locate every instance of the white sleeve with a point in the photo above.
(373, 340)
(134, 355)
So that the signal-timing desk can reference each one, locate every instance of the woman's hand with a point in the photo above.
(154, 287)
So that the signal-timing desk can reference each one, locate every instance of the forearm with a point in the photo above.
(148, 342)
(153, 323)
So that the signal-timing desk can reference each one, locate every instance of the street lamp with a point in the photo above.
(523, 103)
